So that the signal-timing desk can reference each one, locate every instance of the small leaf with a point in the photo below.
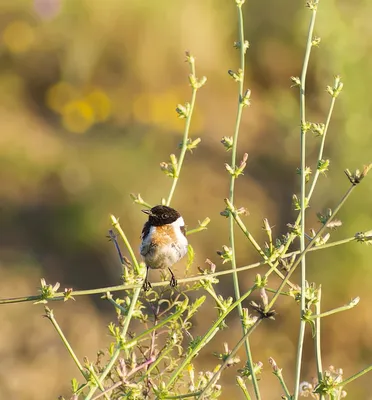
(190, 256)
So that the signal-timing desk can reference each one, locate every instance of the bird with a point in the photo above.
(163, 242)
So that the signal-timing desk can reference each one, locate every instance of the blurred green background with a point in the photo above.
(88, 90)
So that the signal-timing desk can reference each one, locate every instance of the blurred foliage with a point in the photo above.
(88, 90)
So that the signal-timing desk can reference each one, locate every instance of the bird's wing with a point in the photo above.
(147, 245)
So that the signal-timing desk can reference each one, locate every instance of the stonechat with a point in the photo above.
(163, 241)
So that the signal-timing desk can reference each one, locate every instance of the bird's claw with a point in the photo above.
(173, 282)
(146, 285)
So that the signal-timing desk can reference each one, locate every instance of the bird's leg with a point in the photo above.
(146, 284)
(173, 281)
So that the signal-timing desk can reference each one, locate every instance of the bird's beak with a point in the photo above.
(148, 212)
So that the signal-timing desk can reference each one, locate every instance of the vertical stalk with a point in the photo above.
(318, 351)
(126, 324)
(303, 199)
(185, 133)
(116, 354)
(242, 48)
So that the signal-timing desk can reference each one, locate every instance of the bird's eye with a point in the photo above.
(165, 216)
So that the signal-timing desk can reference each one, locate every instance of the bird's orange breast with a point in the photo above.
(163, 235)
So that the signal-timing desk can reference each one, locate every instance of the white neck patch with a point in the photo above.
(179, 222)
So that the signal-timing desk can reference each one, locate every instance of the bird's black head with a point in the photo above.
(162, 215)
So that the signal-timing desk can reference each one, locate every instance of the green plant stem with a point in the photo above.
(127, 320)
(283, 283)
(349, 306)
(355, 376)
(182, 396)
(232, 187)
(118, 384)
(310, 245)
(159, 358)
(206, 338)
(99, 384)
(321, 148)
(196, 230)
(317, 173)
(317, 342)
(303, 201)
(163, 353)
(307, 249)
(161, 323)
(116, 225)
(116, 354)
(243, 388)
(58, 296)
(50, 315)
(283, 385)
(249, 236)
(232, 354)
(185, 137)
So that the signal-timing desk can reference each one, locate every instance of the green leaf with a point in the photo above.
(194, 306)
(75, 385)
(190, 257)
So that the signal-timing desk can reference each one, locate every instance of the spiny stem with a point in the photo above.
(303, 201)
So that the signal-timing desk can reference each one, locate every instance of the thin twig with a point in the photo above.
(317, 342)
(241, 105)
(303, 201)
(58, 296)
(194, 88)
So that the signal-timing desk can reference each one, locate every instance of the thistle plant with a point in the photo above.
(158, 360)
